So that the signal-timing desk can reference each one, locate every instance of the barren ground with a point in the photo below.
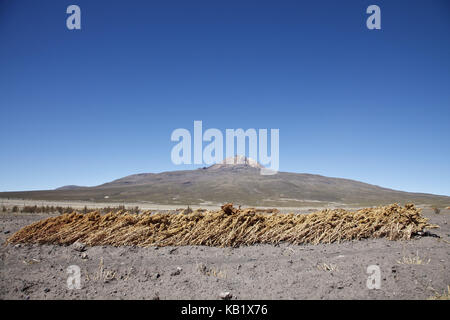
(256, 272)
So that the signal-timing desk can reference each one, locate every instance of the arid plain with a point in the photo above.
(410, 269)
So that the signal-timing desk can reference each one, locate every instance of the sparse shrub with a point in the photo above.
(15, 209)
(30, 209)
(41, 209)
(439, 296)
(135, 210)
(188, 210)
(120, 208)
(436, 210)
(4, 209)
(62, 210)
(213, 272)
(103, 274)
(413, 260)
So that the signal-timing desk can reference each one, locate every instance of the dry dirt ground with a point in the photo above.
(415, 269)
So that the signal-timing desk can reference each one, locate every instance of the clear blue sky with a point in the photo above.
(88, 106)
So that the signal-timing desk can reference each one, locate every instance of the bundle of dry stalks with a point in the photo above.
(229, 227)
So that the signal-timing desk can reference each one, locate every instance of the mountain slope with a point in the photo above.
(238, 183)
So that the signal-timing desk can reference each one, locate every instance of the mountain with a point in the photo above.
(69, 187)
(235, 180)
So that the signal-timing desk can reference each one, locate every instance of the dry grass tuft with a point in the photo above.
(413, 260)
(229, 227)
(327, 267)
(443, 296)
(102, 274)
(213, 272)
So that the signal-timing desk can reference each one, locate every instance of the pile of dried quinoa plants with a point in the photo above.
(229, 227)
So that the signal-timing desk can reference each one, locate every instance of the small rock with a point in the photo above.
(176, 273)
(84, 255)
(225, 295)
(78, 246)
(18, 245)
(26, 285)
(6, 231)
(46, 290)
(202, 268)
